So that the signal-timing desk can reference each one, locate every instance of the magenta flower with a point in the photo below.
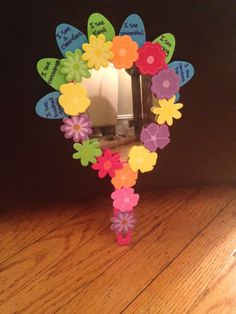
(155, 136)
(77, 127)
(124, 199)
(108, 163)
(123, 222)
(165, 84)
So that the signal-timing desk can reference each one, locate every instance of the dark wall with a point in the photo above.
(36, 158)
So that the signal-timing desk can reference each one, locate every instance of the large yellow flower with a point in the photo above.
(141, 159)
(97, 52)
(167, 111)
(74, 98)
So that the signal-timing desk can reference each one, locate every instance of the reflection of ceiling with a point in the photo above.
(110, 92)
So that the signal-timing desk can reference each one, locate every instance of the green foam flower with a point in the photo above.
(74, 67)
(87, 151)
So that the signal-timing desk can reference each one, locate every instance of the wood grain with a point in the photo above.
(78, 268)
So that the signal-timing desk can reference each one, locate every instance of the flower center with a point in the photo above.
(124, 222)
(122, 52)
(166, 84)
(98, 53)
(123, 177)
(107, 165)
(76, 66)
(76, 127)
(153, 137)
(150, 59)
(126, 199)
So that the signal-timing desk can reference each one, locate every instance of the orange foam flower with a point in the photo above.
(125, 52)
(124, 177)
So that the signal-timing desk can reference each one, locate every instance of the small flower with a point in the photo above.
(107, 164)
(124, 199)
(123, 222)
(151, 58)
(78, 127)
(125, 52)
(124, 177)
(97, 52)
(87, 151)
(167, 111)
(155, 136)
(165, 84)
(141, 159)
(74, 67)
(74, 98)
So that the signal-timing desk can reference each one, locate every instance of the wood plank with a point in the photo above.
(63, 257)
(122, 281)
(22, 226)
(220, 296)
(48, 273)
(176, 289)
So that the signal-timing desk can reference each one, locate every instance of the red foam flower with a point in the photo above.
(107, 164)
(151, 58)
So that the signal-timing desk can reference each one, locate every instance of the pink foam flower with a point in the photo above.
(124, 199)
(151, 58)
(77, 127)
(108, 163)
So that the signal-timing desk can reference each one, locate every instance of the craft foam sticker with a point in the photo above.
(69, 38)
(99, 24)
(184, 69)
(134, 27)
(49, 70)
(167, 41)
(48, 107)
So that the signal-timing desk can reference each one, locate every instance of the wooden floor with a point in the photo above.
(62, 258)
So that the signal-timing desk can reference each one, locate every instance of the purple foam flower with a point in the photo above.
(123, 222)
(77, 127)
(155, 136)
(165, 84)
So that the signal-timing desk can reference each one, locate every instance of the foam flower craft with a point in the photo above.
(124, 199)
(140, 158)
(74, 98)
(165, 84)
(108, 163)
(155, 136)
(74, 67)
(151, 58)
(167, 111)
(123, 222)
(125, 52)
(124, 177)
(77, 127)
(97, 52)
(87, 151)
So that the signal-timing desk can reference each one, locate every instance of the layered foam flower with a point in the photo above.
(97, 52)
(167, 111)
(125, 52)
(123, 222)
(151, 58)
(140, 158)
(124, 177)
(165, 84)
(74, 67)
(87, 151)
(108, 163)
(77, 127)
(124, 199)
(74, 98)
(155, 136)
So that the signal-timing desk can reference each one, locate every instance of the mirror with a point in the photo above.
(120, 107)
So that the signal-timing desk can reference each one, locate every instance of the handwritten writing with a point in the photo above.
(53, 72)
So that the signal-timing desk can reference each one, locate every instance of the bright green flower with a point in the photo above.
(74, 67)
(87, 151)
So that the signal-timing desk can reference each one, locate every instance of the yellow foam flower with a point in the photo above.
(97, 52)
(74, 98)
(167, 111)
(140, 158)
